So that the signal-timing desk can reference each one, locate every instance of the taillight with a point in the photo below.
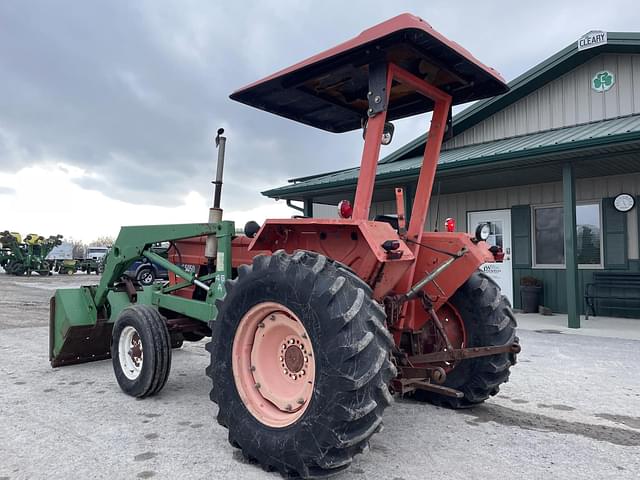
(450, 225)
(345, 210)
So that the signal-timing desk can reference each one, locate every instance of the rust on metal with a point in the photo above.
(404, 386)
(130, 288)
(438, 324)
(402, 219)
(436, 374)
(465, 353)
(294, 358)
(135, 352)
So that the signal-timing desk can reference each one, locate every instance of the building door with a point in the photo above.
(500, 224)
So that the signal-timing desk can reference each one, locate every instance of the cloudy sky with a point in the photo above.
(108, 110)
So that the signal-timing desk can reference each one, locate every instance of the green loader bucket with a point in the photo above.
(76, 333)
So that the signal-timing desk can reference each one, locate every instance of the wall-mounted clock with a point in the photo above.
(624, 202)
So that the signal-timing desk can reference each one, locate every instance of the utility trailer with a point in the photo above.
(316, 323)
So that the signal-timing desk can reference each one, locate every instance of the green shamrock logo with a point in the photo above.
(602, 81)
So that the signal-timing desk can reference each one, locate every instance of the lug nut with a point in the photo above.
(253, 369)
(261, 325)
(257, 385)
(300, 401)
(272, 318)
(289, 407)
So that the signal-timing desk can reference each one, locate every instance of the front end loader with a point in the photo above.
(316, 323)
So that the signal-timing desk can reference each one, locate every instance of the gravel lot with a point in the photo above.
(571, 410)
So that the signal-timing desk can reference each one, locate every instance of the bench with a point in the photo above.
(618, 290)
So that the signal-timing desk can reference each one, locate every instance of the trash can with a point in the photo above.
(530, 294)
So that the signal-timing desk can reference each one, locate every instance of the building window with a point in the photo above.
(548, 235)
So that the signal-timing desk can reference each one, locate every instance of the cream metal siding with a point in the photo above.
(325, 211)
(457, 205)
(566, 101)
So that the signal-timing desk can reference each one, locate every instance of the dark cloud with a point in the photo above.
(132, 92)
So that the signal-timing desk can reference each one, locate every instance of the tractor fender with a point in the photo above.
(357, 244)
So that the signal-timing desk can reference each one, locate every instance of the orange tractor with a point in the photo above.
(317, 323)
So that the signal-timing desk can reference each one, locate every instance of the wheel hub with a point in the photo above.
(293, 358)
(273, 364)
(453, 325)
(130, 352)
(135, 352)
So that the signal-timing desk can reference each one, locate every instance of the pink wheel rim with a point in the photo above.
(273, 364)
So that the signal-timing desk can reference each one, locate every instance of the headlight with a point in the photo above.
(483, 231)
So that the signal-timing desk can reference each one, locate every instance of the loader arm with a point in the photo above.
(80, 326)
(133, 242)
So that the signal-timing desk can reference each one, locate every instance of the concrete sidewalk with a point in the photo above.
(627, 328)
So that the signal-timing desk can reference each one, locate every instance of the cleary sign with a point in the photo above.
(592, 39)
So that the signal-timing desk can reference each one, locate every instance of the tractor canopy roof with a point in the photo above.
(329, 90)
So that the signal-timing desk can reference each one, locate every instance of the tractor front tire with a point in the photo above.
(141, 351)
(300, 323)
(488, 321)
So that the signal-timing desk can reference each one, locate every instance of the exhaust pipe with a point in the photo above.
(215, 212)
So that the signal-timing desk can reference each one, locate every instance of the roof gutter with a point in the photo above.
(411, 173)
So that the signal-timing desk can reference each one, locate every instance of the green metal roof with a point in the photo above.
(553, 67)
(596, 134)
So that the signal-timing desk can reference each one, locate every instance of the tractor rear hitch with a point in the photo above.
(408, 385)
(458, 354)
(431, 378)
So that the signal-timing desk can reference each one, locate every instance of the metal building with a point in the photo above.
(553, 165)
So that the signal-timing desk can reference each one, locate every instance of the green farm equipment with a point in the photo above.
(6, 244)
(23, 257)
(94, 260)
(316, 323)
(66, 267)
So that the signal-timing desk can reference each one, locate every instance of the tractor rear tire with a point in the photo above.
(141, 351)
(345, 330)
(488, 321)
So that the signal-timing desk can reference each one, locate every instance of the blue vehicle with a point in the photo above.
(146, 272)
